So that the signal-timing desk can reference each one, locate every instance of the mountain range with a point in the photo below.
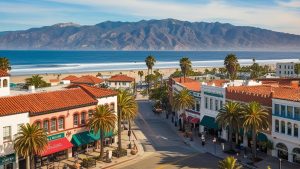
(165, 34)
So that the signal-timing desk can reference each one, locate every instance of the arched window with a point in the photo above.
(289, 128)
(283, 127)
(61, 123)
(296, 155)
(91, 113)
(76, 119)
(282, 151)
(46, 125)
(276, 125)
(83, 118)
(295, 130)
(5, 83)
(112, 106)
(38, 123)
(53, 124)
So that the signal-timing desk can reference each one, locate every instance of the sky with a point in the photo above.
(277, 15)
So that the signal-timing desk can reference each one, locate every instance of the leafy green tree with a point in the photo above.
(186, 66)
(222, 70)
(256, 118)
(229, 163)
(103, 120)
(230, 115)
(150, 61)
(232, 65)
(255, 71)
(30, 141)
(36, 81)
(297, 69)
(4, 64)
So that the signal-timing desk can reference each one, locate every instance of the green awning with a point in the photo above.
(262, 137)
(209, 122)
(87, 137)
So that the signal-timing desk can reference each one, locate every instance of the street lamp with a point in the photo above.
(280, 163)
(215, 145)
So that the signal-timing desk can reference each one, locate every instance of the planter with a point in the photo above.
(133, 151)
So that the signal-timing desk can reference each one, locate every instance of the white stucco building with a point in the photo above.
(4, 83)
(121, 82)
(285, 69)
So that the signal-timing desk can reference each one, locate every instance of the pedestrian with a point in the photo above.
(203, 139)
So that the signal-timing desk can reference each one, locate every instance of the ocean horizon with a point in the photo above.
(26, 62)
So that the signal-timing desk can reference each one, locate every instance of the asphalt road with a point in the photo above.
(165, 148)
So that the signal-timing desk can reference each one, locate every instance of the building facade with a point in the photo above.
(4, 83)
(121, 82)
(285, 69)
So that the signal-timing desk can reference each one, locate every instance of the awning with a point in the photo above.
(56, 146)
(189, 118)
(195, 120)
(87, 137)
(209, 122)
(262, 137)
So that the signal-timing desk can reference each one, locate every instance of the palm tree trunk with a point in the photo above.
(129, 128)
(119, 130)
(254, 143)
(32, 162)
(230, 138)
(236, 138)
(101, 144)
(28, 162)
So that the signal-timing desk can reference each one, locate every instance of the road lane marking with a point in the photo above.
(174, 162)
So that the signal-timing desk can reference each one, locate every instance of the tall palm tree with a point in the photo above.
(103, 121)
(141, 74)
(36, 81)
(182, 101)
(30, 141)
(230, 115)
(185, 65)
(231, 63)
(130, 114)
(126, 102)
(150, 61)
(4, 64)
(256, 118)
(229, 163)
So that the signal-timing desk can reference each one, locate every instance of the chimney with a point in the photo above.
(31, 89)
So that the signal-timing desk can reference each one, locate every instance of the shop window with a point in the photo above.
(206, 102)
(296, 130)
(283, 127)
(289, 128)
(276, 111)
(5, 83)
(61, 122)
(296, 155)
(282, 110)
(83, 115)
(216, 105)
(46, 125)
(53, 124)
(7, 133)
(210, 104)
(197, 106)
(289, 111)
(75, 119)
(297, 113)
(221, 104)
(277, 126)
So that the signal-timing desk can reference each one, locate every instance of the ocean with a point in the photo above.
(26, 62)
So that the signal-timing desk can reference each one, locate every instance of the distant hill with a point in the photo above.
(166, 34)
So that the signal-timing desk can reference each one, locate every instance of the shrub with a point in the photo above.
(117, 153)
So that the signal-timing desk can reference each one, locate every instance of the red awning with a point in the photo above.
(189, 118)
(195, 120)
(57, 145)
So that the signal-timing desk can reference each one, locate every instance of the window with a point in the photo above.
(279, 66)
(46, 125)
(38, 123)
(283, 127)
(112, 106)
(282, 111)
(116, 83)
(289, 111)
(193, 106)
(289, 128)
(276, 111)
(277, 126)
(124, 83)
(83, 114)
(7, 133)
(297, 113)
(53, 124)
(119, 83)
(295, 130)
(197, 106)
(210, 104)
(206, 102)
(75, 119)
(5, 83)
(221, 104)
(279, 72)
(90, 113)
(19, 127)
(216, 105)
(61, 123)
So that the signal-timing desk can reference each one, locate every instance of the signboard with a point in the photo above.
(56, 136)
(11, 158)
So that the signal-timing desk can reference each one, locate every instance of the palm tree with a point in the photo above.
(103, 121)
(129, 115)
(4, 64)
(231, 63)
(36, 81)
(186, 66)
(255, 70)
(297, 69)
(141, 74)
(30, 141)
(230, 115)
(182, 101)
(256, 118)
(150, 61)
(126, 103)
(229, 163)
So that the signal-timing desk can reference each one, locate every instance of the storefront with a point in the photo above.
(210, 125)
(59, 148)
(7, 161)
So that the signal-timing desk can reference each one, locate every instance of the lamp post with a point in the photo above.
(215, 145)
(280, 163)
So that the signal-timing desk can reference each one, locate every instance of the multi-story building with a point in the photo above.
(285, 69)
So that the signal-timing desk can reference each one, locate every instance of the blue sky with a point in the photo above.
(278, 15)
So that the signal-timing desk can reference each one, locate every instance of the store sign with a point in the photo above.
(56, 136)
(11, 158)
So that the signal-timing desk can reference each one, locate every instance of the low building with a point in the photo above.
(4, 83)
(121, 82)
(54, 82)
(69, 79)
(285, 69)
(88, 80)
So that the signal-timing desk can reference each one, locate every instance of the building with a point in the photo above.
(285, 69)
(88, 80)
(4, 83)
(69, 79)
(54, 82)
(121, 82)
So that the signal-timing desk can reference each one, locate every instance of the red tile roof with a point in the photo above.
(88, 80)
(70, 77)
(189, 83)
(45, 102)
(279, 81)
(95, 92)
(217, 82)
(3, 73)
(120, 78)
(54, 80)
